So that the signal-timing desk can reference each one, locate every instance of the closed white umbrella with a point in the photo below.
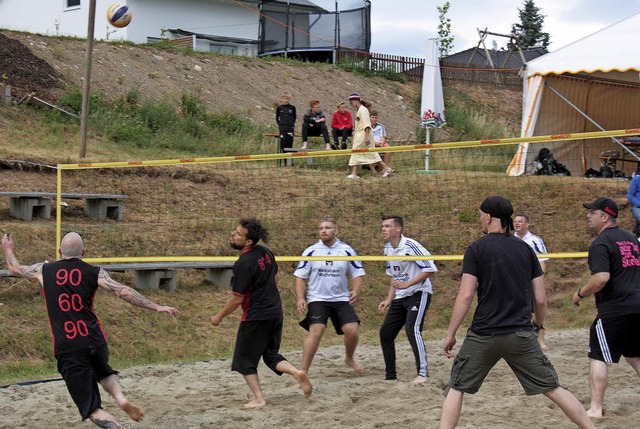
(432, 105)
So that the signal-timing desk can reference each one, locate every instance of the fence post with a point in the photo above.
(5, 94)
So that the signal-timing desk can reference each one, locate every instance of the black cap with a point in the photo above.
(605, 204)
(497, 206)
(500, 208)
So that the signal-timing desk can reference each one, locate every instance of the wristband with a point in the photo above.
(537, 327)
(580, 296)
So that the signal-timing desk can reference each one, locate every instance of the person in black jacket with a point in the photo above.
(314, 123)
(286, 119)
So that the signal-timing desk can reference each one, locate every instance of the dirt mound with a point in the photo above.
(24, 71)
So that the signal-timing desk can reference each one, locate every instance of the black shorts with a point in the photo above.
(340, 312)
(255, 339)
(612, 337)
(81, 371)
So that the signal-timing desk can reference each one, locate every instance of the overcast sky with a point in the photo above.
(402, 27)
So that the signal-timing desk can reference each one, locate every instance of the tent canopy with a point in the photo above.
(593, 80)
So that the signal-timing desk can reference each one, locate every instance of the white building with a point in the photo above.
(237, 27)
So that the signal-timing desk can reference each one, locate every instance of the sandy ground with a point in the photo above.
(209, 395)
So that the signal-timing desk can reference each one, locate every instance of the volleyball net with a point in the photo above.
(185, 209)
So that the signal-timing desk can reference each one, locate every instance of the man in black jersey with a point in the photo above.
(80, 346)
(506, 274)
(614, 261)
(255, 288)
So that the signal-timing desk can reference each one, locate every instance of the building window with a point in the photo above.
(72, 4)
(220, 49)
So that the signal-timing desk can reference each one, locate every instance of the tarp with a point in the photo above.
(599, 75)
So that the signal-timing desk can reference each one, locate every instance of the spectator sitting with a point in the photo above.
(341, 126)
(379, 133)
(314, 124)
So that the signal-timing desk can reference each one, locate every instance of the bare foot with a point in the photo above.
(354, 365)
(132, 410)
(255, 404)
(420, 380)
(595, 414)
(304, 382)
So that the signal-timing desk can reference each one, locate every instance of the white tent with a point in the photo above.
(594, 80)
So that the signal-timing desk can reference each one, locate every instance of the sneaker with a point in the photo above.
(343, 145)
(334, 147)
(353, 176)
(304, 145)
(387, 173)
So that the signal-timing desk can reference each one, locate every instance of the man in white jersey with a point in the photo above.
(379, 133)
(521, 228)
(328, 295)
(408, 299)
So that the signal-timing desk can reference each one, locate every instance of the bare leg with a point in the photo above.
(311, 343)
(570, 405)
(598, 373)
(451, 407)
(253, 382)
(112, 385)
(351, 336)
(372, 168)
(300, 376)
(635, 363)
(385, 167)
(387, 158)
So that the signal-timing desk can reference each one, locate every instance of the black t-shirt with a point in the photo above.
(504, 266)
(254, 278)
(615, 251)
(69, 286)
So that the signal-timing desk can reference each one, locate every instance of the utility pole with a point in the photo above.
(86, 87)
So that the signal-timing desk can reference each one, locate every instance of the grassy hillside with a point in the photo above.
(153, 104)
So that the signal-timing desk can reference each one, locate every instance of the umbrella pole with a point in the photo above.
(426, 152)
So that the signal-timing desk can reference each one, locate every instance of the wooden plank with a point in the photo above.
(145, 266)
(70, 196)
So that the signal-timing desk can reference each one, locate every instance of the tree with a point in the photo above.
(529, 31)
(444, 30)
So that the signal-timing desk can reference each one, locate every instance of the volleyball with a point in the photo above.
(119, 15)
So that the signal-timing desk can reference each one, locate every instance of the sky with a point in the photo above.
(402, 27)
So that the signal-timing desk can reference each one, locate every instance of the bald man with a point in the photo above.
(79, 343)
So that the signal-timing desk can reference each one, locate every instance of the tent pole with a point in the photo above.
(615, 140)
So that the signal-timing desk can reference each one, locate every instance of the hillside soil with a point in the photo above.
(249, 87)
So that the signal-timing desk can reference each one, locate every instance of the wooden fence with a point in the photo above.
(413, 69)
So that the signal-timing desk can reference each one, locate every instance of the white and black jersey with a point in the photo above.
(328, 279)
(406, 270)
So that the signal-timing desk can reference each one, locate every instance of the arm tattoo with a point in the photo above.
(124, 292)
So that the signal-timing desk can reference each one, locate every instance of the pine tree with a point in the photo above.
(529, 30)
(444, 30)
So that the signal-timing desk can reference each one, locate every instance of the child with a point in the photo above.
(286, 119)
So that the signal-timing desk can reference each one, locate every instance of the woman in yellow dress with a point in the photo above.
(362, 139)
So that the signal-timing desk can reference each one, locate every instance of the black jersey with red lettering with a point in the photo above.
(254, 278)
(69, 287)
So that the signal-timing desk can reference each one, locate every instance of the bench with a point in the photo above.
(162, 275)
(27, 205)
(289, 161)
